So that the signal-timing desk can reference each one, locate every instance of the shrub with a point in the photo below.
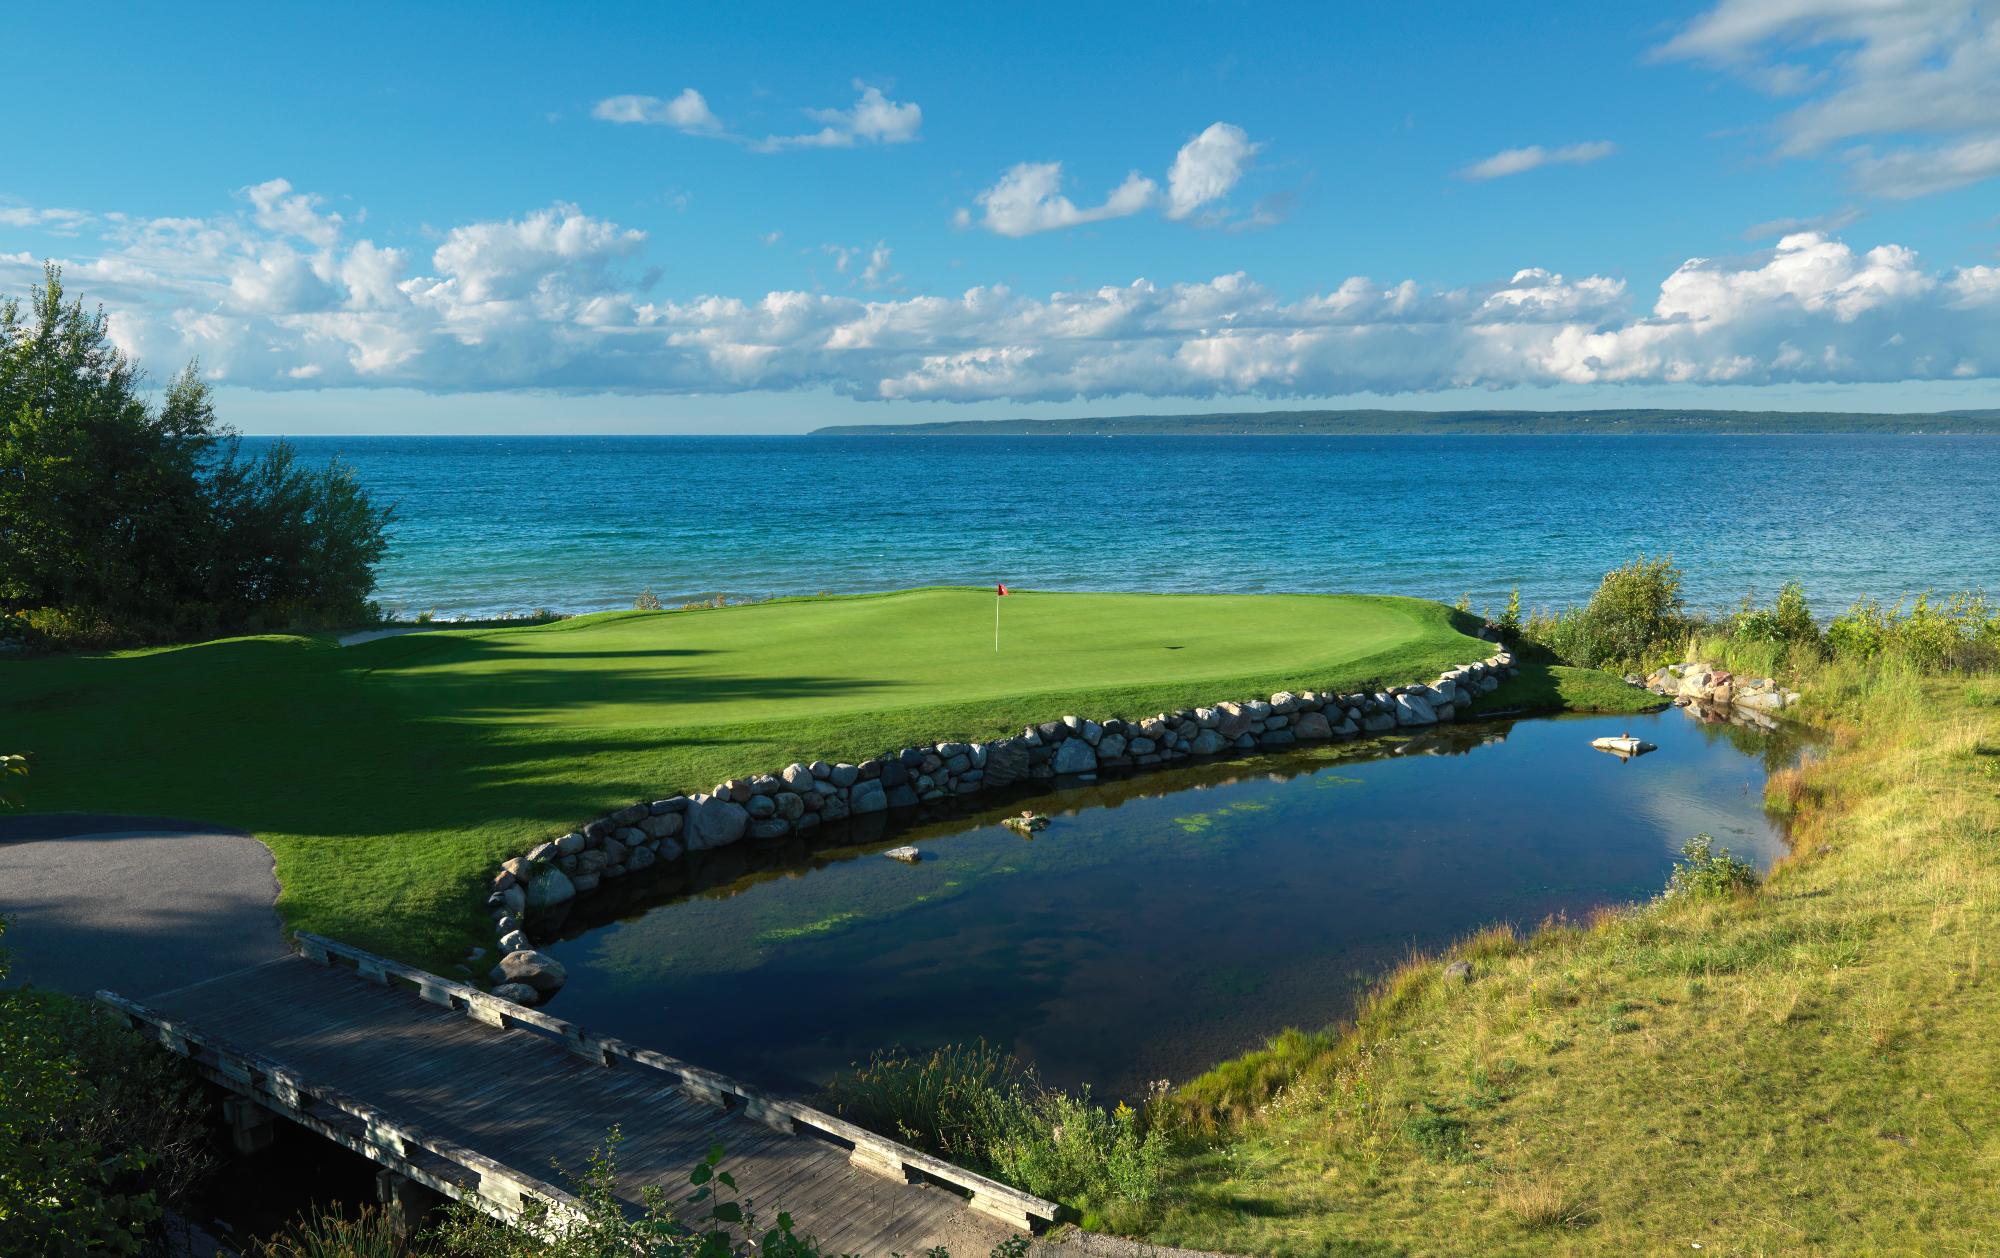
(647, 601)
(1635, 619)
(99, 1131)
(1510, 620)
(1787, 625)
(1708, 872)
(978, 1107)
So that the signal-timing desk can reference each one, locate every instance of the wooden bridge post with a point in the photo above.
(408, 1205)
(252, 1128)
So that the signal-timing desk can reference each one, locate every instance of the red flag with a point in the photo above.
(1000, 591)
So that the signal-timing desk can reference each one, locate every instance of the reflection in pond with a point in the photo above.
(1163, 921)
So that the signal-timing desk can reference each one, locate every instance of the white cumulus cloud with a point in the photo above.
(557, 299)
(1901, 91)
(1028, 198)
(872, 119)
(687, 112)
(1207, 167)
(1521, 160)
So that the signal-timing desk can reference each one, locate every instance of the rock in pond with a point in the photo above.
(908, 855)
(1623, 746)
(518, 993)
(538, 970)
(714, 822)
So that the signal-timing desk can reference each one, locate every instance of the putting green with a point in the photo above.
(388, 777)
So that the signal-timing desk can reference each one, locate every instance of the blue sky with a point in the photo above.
(725, 218)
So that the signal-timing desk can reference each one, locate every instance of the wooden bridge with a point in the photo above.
(475, 1097)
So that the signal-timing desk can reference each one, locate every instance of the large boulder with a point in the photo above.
(714, 822)
(537, 969)
(1006, 763)
(549, 888)
(1411, 709)
(1311, 725)
(868, 796)
(1233, 720)
(518, 993)
(1074, 755)
(1207, 743)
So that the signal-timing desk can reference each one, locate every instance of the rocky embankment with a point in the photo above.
(1714, 692)
(802, 798)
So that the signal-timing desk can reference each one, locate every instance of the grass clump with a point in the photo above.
(978, 1107)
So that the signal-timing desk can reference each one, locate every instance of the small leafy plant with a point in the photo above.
(1708, 872)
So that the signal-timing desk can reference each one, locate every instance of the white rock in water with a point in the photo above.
(1623, 745)
(908, 855)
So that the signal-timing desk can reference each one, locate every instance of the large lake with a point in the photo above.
(1165, 921)
(492, 524)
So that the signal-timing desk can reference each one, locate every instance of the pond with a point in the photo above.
(1164, 921)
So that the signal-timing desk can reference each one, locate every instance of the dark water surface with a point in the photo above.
(495, 524)
(1168, 920)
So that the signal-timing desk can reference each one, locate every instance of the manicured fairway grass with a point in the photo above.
(390, 776)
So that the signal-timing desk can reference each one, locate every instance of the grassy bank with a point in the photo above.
(1806, 1068)
(389, 776)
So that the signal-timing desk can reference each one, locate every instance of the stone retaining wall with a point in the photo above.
(802, 798)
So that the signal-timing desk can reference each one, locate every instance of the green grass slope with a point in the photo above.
(389, 777)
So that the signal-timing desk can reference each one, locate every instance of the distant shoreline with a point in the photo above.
(1387, 423)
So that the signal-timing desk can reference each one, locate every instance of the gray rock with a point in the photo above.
(1074, 756)
(1206, 743)
(714, 823)
(844, 774)
(585, 883)
(1277, 738)
(518, 993)
(628, 816)
(673, 803)
(821, 769)
(615, 851)
(770, 828)
(662, 825)
(1311, 725)
(798, 777)
(1412, 710)
(908, 855)
(902, 795)
(1459, 971)
(570, 844)
(542, 853)
(761, 807)
(516, 941)
(1111, 745)
(549, 888)
(1378, 722)
(1284, 703)
(790, 805)
(592, 862)
(641, 858)
(868, 797)
(537, 969)
(514, 900)
(1233, 720)
(1006, 763)
(1141, 746)
(626, 837)
(835, 808)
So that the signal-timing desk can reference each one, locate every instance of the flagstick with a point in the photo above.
(996, 624)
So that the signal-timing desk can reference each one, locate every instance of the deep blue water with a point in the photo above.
(1164, 921)
(493, 524)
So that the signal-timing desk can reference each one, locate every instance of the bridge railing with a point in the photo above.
(440, 1164)
(867, 1150)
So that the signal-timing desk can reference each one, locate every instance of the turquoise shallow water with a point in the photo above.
(493, 524)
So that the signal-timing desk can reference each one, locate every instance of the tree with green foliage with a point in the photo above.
(125, 519)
